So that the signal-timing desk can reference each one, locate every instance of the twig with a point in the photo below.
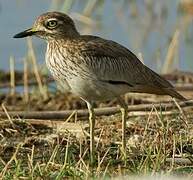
(188, 87)
(99, 111)
(178, 87)
(30, 83)
(184, 76)
(180, 161)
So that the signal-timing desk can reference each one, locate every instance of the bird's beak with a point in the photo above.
(28, 32)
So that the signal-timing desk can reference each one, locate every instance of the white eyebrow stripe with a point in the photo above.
(55, 19)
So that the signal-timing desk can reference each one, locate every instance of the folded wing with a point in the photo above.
(113, 63)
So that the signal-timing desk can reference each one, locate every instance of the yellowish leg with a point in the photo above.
(92, 125)
(124, 112)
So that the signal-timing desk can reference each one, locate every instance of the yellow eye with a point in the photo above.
(51, 24)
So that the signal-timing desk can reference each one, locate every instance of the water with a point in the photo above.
(145, 29)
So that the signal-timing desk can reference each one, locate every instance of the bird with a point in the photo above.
(94, 68)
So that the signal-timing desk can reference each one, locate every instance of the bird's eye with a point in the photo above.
(51, 24)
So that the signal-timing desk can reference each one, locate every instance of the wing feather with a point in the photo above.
(110, 61)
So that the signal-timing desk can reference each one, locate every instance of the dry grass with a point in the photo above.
(157, 143)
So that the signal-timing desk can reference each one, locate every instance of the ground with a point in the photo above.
(40, 146)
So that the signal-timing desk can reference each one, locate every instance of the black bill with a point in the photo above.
(28, 32)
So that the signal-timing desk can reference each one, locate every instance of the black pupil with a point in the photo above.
(52, 23)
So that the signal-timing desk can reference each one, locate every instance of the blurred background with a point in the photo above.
(160, 32)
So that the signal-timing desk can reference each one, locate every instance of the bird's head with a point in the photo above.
(51, 25)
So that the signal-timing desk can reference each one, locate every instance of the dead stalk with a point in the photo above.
(35, 68)
(12, 75)
(2, 174)
(25, 80)
(171, 52)
(182, 112)
(100, 163)
(90, 5)
(140, 56)
(6, 113)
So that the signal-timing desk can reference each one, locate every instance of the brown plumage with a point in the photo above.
(92, 67)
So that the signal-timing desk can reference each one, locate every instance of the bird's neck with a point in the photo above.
(63, 36)
(60, 43)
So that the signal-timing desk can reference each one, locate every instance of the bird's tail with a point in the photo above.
(159, 91)
(172, 92)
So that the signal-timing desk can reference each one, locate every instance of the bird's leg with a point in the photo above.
(124, 112)
(92, 124)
